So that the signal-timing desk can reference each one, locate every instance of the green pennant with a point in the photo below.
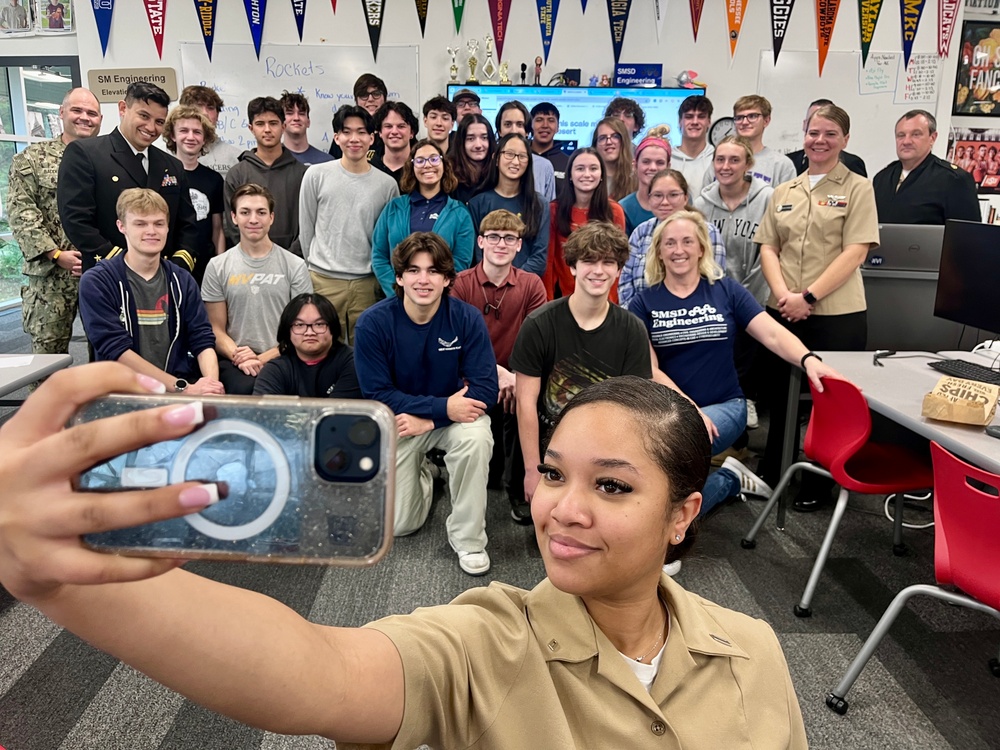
(458, 7)
(868, 11)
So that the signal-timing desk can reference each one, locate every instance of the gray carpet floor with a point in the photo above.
(927, 687)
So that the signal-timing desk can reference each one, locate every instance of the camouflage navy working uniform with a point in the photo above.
(49, 301)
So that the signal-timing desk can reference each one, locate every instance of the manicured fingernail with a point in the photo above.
(199, 497)
(187, 414)
(151, 384)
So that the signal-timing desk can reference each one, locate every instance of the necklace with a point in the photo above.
(659, 639)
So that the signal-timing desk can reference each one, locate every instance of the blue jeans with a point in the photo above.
(730, 418)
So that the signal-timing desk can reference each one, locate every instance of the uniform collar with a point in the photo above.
(837, 175)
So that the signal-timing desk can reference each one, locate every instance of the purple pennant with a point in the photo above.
(299, 9)
(255, 16)
(103, 10)
(373, 17)
(547, 12)
(206, 21)
(781, 14)
(909, 19)
(618, 11)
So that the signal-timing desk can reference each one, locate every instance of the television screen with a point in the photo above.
(581, 108)
(967, 278)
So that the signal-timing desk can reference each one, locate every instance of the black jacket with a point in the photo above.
(853, 162)
(288, 375)
(931, 194)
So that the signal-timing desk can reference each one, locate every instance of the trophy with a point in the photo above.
(489, 67)
(472, 45)
(453, 51)
(504, 75)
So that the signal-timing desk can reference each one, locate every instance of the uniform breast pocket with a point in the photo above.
(48, 180)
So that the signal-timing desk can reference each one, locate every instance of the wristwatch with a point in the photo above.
(180, 385)
(809, 297)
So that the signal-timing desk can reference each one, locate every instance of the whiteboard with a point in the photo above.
(324, 73)
(875, 96)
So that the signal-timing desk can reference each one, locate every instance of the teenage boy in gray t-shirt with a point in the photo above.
(246, 288)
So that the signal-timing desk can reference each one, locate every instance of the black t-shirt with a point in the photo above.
(551, 346)
(206, 186)
(152, 307)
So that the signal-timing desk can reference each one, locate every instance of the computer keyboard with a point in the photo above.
(959, 368)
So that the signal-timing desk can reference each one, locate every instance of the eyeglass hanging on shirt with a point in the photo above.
(494, 307)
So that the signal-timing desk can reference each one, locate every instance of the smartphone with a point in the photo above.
(309, 480)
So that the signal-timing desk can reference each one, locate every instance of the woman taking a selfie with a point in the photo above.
(606, 651)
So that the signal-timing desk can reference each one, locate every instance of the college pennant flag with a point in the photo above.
(659, 13)
(826, 19)
(458, 8)
(781, 14)
(255, 17)
(947, 9)
(422, 15)
(868, 11)
(734, 17)
(334, 4)
(206, 20)
(373, 17)
(583, 3)
(103, 10)
(618, 11)
(909, 18)
(155, 11)
(499, 12)
(697, 6)
(299, 9)
(547, 12)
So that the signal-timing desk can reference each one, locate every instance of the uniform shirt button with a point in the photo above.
(658, 727)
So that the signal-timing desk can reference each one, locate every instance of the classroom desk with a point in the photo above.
(35, 367)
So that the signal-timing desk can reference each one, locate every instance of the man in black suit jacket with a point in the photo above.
(95, 171)
(853, 162)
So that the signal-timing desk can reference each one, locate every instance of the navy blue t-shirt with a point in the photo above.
(693, 337)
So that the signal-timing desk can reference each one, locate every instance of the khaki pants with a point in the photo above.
(350, 297)
(467, 448)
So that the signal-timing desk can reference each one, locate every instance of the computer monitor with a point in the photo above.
(582, 107)
(968, 288)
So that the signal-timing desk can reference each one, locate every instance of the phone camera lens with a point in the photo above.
(336, 460)
(363, 433)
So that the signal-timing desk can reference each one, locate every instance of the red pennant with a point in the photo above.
(697, 6)
(334, 4)
(156, 11)
(499, 13)
(826, 19)
(947, 10)
(735, 10)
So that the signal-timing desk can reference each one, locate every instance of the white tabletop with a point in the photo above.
(19, 370)
(896, 390)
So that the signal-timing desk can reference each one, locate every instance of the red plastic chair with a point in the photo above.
(838, 447)
(966, 556)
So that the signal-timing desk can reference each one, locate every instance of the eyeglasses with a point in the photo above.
(419, 161)
(672, 196)
(508, 239)
(370, 95)
(513, 156)
(320, 326)
(748, 117)
(610, 137)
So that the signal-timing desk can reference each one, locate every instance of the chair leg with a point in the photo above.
(802, 609)
(898, 548)
(750, 540)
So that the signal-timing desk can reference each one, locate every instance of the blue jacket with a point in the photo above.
(112, 325)
(414, 369)
(454, 225)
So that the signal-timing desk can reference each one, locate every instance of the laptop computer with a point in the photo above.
(907, 247)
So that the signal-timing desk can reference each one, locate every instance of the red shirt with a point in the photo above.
(518, 296)
(556, 270)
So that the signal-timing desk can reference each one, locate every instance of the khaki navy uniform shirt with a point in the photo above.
(811, 227)
(507, 669)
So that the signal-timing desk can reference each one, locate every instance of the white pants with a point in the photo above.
(467, 449)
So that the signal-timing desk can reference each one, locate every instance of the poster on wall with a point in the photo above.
(54, 17)
(16, 18)
(977, 85)
(977, 151)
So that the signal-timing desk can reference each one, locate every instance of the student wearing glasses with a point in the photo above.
(511, 186)
(370, 93)
(423, 207)
(313, 363)
(506, 295)
(612, 141)
(752, 115)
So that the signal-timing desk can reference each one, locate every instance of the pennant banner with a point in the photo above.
(373, 17)
(422, 15)
(826, 19)
(499, 13)
(947, 10)
(781, 14)
(458, 8)
(868, 12)
(255, 17)
(909, 18)
(206, 21)
(584, 4)
(618, 11)
(334, 4)
(734, 17)
(155, 12)
(299, 9)
(697, 6)
(547, 12)
(103, 10)
(659, 13)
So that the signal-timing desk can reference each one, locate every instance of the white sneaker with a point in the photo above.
(750, 483)
(474, 563)
(672, 568)
(752, 423)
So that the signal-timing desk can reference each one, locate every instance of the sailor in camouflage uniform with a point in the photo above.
(51, 263)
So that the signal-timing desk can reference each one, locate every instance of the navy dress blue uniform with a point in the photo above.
(95, 171)
(932, 193)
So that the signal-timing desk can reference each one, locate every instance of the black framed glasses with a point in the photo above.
(748, 116)
(320, 326)
(370, 96)
(609, 137)
(508, 239)
(513, 156)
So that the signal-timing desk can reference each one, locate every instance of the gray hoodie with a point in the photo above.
(283, 179)
(737, 229)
